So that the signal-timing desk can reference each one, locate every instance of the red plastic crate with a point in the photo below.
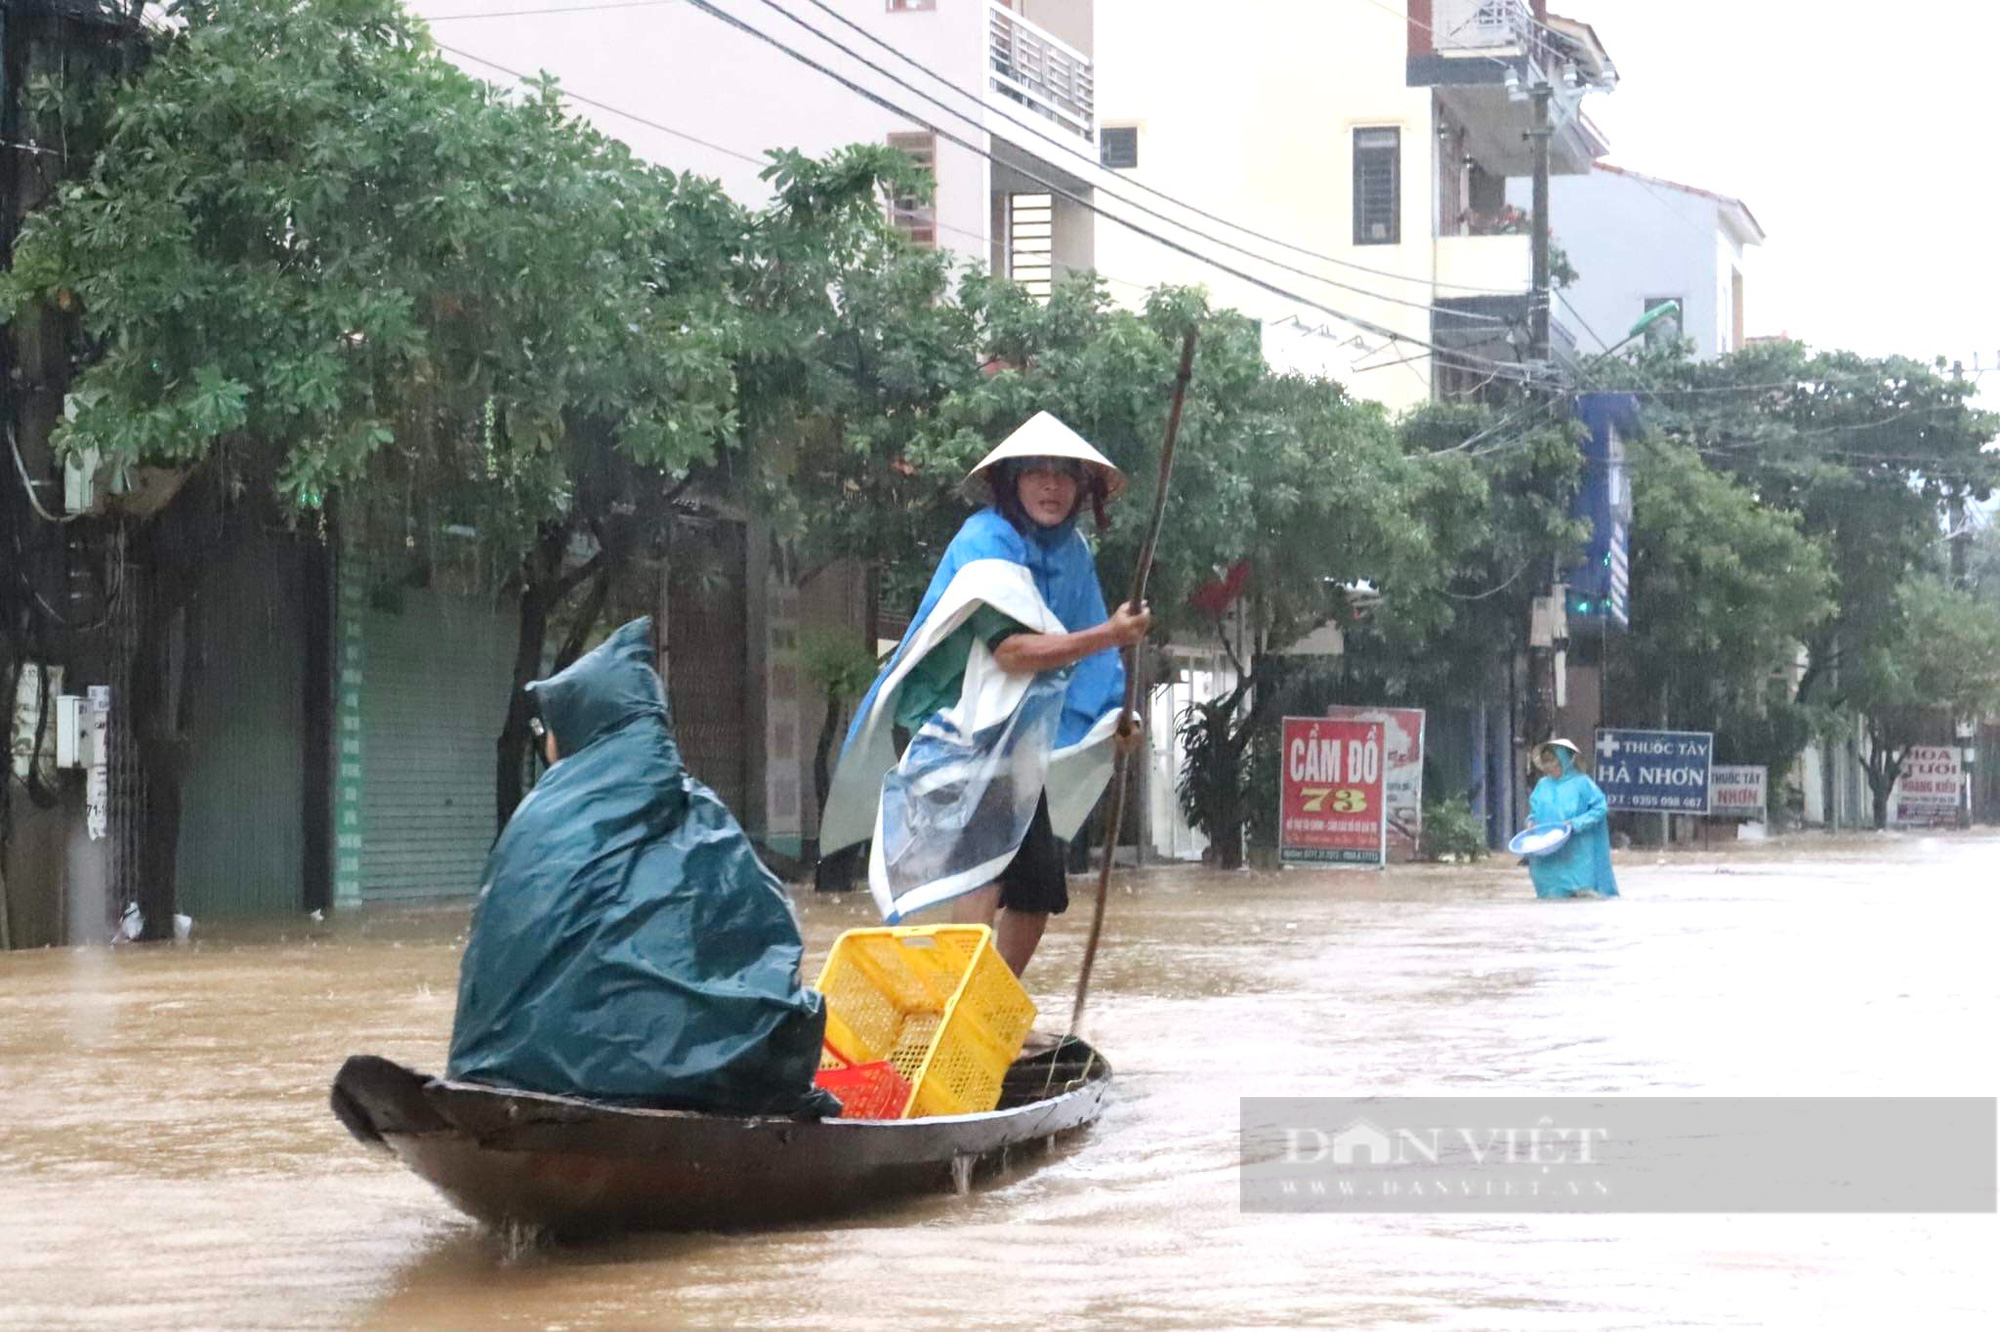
(867, 1091)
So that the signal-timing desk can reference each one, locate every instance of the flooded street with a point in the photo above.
(167, 1159)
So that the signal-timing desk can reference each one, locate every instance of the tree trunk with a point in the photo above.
(538, 573)
(829, 727)
(544, 587)
(586, 620)
(1882, 767)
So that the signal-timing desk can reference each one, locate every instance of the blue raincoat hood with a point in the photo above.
(1060, 562)
(1583, 863)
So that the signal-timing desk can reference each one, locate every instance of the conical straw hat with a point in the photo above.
(1045, 437)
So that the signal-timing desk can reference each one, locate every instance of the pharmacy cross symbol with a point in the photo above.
(1607, 745)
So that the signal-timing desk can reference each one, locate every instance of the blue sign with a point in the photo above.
(1660, 772)
(1600, 588)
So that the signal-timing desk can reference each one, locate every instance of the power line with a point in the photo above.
(732, 21)
(1056, 142)
(1595, 336)
(1053, 141)
(720, 148)
(557, 9)
(980, 125)
(614, 110)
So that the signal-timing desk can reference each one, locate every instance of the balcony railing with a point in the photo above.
(1038, 69)
(1481, 25)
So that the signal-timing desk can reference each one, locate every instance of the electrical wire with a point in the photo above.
(1108, 192)
(633, 116)
(726, 151)
(1053, 142)
(1493, 591)
(556, 9)
(1053, 188)
(1132, 182)
(28, 484)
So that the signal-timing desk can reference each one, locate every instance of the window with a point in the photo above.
(1378, 173)
(908, 6)
(1031, 231)
(909, 214)
(1118, 146)
(1665, 330)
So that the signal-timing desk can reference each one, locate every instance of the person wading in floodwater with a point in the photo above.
(1009, 686)
(1581, 866)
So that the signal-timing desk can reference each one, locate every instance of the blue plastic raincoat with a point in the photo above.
(1583, 863)
(628, 944)
(948, 816)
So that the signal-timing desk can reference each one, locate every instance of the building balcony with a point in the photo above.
(1482, 27)
(1483, 58)
(1031, 67)
(1493, 263)
(1484, 307)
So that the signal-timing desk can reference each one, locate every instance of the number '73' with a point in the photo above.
(1346, 799)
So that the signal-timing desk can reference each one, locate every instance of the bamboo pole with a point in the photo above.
(1122, 768)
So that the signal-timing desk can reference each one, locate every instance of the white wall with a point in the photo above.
(1252, 118)
(1631, 240)
(688, 72)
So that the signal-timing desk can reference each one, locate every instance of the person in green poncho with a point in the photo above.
(628, 946)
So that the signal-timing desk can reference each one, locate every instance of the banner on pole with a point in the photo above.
(1330, 793)
(1926, 793)
(1740, 791)
(1402, 772)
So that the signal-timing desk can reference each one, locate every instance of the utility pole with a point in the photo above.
(1547, 609)
(1961, 535)
(1538, 310)
(1961, 540)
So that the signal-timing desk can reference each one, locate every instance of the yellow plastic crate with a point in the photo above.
(937, 1002)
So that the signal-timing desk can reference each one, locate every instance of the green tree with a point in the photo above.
(314, 257)
(1723, 592)
(854, 338)
(1867, 453)
(1493, 496)
(1939, 662)
(841, 667)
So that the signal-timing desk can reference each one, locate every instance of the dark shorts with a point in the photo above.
(1035, 880)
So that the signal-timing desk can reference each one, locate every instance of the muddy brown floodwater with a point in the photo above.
(167, 1159)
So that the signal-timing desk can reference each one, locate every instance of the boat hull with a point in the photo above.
(573, 1167)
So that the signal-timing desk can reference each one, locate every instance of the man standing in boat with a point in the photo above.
(1009, 687)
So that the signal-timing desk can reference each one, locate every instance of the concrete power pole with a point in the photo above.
(1538, 311)
(1542, 633)
(1961, 542)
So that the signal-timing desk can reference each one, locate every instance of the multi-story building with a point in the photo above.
(1006, 87)
(1637, 242)
(1370, 147)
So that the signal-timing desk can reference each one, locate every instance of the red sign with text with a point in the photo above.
(1330, 784)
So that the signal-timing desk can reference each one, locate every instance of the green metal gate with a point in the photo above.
(242, 834)
(430, 698)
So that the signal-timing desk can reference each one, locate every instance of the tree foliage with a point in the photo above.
(314, 251)
(1724, 590)
(1937, 662)
(1866, 454)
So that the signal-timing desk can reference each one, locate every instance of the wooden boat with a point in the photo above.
(573, 1167)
